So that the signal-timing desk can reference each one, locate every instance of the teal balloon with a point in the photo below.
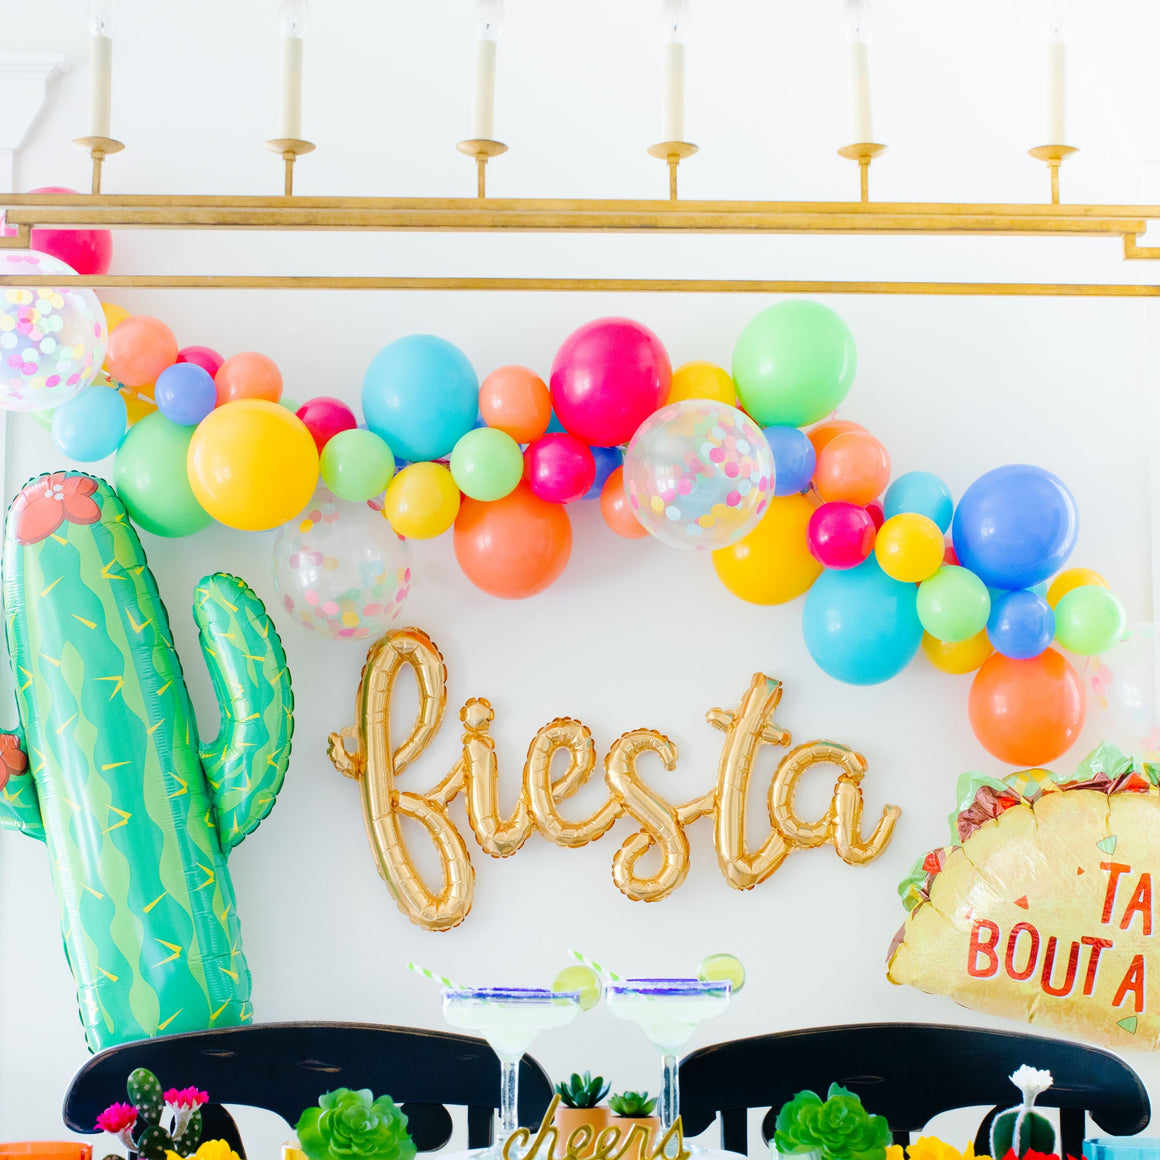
(91, 425)
(356, 465)
(794, 363)
(1089, 620)
(152, 481)
(954, 604)
(487, 464)
(860, 625)
(922, 493)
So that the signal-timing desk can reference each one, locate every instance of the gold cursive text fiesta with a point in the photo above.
(365, 752)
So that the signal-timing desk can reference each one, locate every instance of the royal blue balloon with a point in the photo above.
(1021, 624)
(90, 425)
(1015, 526)
(608, 459)
(860, 625)
(922, 493)
(421, 395)
(185, 393)
(794, 459)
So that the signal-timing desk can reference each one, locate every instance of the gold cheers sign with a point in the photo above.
(367, 753)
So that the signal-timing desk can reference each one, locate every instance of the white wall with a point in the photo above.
(634, 634)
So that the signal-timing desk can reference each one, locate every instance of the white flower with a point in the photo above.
(1031, 1081)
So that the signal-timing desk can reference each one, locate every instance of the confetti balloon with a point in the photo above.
(699, 474)
(1124, 691)
(52, 342)
(340, 570)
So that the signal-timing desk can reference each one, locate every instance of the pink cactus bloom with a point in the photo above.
(188, 1097)
(116, 1118)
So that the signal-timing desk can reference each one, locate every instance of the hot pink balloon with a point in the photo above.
(876, 513)
(203, 356)
(86, 251)
(607, 379)
(841, 534)
(559, 468)
(325, 417)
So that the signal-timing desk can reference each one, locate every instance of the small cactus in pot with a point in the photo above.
(1021, 1129)
(155, 1123)
(580, 1107)
(637, 1109)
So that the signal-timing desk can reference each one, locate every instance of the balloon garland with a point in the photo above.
(698, 458)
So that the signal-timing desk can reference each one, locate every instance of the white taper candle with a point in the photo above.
(290, 122)
(483, 107)
(1056, 92)
(863, 123)
(100, 86)
(673, 122)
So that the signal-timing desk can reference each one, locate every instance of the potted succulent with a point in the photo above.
(836, 1128)
(637, 1107)
(349, 1124)
(580, 1104)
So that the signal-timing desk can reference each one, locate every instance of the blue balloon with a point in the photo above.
(1021, 624)
(554, 424)
(860, 625)
(421, 395)
(922, 493)
(185, 394)
(608, 459)
(1015, 526)
(90, 425)
(794, 459)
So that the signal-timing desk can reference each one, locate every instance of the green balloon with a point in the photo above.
(794, 363)
(487, 464)
(1089, 620)
(151, 479)
(356, 465)
(44, 418)
(953, 604)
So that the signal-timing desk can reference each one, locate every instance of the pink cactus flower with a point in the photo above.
(116, 1118)
(188, 1097)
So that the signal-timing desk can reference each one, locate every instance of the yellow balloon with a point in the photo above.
(910, 547)
(963, 656)
(773, 563)
(422, 501)
(252, 464)
(114, 314)
(702, 380)
(1072, 578)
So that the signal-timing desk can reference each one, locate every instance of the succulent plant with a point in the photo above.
(1020, 1129)
(839, 1127)
(632, 1105)
(353, 1125)
(582, 1091)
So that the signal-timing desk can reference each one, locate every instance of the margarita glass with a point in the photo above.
(509, 1018)
(668, 1012)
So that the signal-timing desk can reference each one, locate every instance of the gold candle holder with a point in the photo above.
(863, 152)
(98, 148)
(673, 152)
(291, 149)
(1054, 155)
(482, 150)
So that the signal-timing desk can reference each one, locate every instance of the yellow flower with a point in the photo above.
(895, 1152)
(209, 1150)
(932, 1148)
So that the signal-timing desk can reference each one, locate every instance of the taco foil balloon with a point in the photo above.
(107, 769)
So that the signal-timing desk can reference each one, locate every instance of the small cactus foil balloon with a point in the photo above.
(107, 769)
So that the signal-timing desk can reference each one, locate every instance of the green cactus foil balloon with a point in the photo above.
(108, 771)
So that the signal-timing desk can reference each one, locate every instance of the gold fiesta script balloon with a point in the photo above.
(365, 752)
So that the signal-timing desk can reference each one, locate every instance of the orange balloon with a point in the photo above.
(516, 400)
(823, 433)
(1027, 712)
(515, 546)
(248, 376)
(853, 466)
(140, 348)
(615, 510)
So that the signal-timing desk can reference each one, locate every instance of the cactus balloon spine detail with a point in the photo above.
(137, 815)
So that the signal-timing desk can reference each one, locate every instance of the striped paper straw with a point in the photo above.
(443, 980)
(599, 968)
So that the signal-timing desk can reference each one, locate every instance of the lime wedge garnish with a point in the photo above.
(717, 968)
(582, 979)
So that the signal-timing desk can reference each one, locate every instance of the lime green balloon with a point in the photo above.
(357, 465)
(953, 605)
(44, 418)
(1089, 620)
(794, 363)
(487, 464)
(150, 475)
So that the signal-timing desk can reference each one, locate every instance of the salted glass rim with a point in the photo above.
(511, 994)
(668, 986)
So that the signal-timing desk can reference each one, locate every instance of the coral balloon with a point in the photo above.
(853, 466)
(1071, 578)
(957, 656)
(559, 468)
(607, 378)
(840, 535)
(826, 432)
(325, 417)
(86, 251)
(203, 356)
(1027, 712)
(248, 376)
(614, 507)
(252, 464)
(702, 380)
(513, 547)
(140, 348)
(910, 547)
(516, 401)
(422, 501)
(772, 564)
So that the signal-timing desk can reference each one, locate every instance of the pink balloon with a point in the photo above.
(325, 417)
(559, 468)
(203, 356)
(86, 251)
(607, 379)
(840, 534)
(876, 513)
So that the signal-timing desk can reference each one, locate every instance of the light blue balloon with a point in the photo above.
(90, 425)
(421, 395)
(860, 625)
(923, 493)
